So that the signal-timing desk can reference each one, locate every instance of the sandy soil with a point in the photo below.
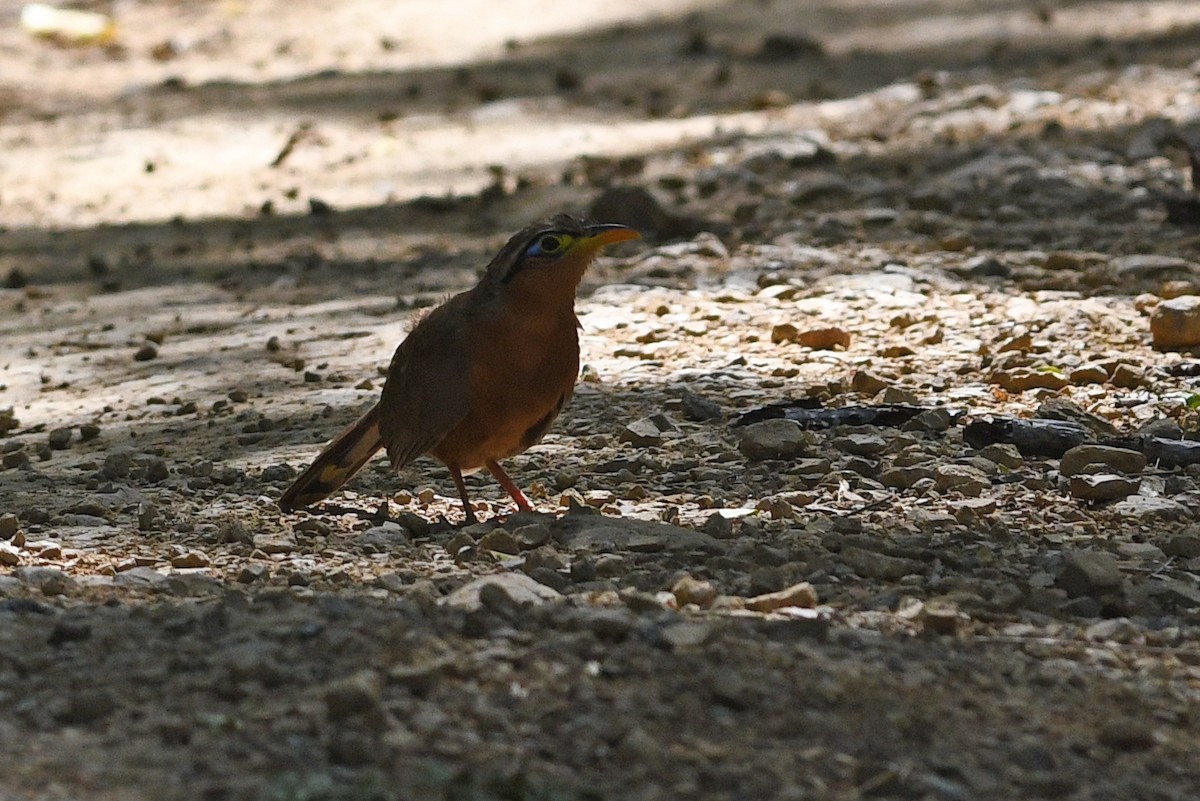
(216, 230)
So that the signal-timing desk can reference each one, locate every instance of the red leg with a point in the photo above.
(512, 489)
(462, 493)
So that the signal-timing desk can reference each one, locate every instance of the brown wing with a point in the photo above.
(427, 389)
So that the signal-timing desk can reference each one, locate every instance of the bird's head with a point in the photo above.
(560, 249)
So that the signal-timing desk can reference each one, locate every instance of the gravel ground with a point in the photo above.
(974, 228)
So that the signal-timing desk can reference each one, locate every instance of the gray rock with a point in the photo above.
(46, 580)
(520, 588)
(869, 564)
(860, 444)
(609, 534)
(642, 433)
(1145, 509)
(1184, 544)
(118, 463)
(384, 537)
(60, 439)
(1089, 573)
(358, 697)
(776, 439)
(699, 409)
(904, 477)
(8, 525)
(1121, 460)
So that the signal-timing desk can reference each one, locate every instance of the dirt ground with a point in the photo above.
(216, 228)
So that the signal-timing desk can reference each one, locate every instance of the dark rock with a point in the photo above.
(1089, 573)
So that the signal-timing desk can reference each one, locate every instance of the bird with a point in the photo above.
(482, 376)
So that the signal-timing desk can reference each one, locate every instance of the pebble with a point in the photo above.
(905, 477)
(117, 463)
(1122, 460)
(1023, 379)
(1090, 373)
(685, 635)
(824, 338)
(775, 439)
(531, 535)
(699, 409)
(869, 564)
(9, 524)
(1175, 323)
(1147, 509)
(861, 444)
(1100, 487)
(500, 541)
(358, 696)
(60, 439)
(1089, 573)
(46, 580)
(800, 595)
(1127, 376)
(608, 535)
(146, 352)
(1003, 454)
(249, 574)
(642, 433)
(190, 559)
(9, 555)
(1184, 544)
(688, 590)
(519, 587)
(968, 480)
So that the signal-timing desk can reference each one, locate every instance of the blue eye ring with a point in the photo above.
(548, 245)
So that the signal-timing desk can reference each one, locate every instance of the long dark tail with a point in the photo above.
(337, 463)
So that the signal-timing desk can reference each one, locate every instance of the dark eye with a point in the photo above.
(549, 245)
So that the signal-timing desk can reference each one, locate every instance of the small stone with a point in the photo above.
(1100, 487)
(1127, 376)
(1148, 509)
(1024, 379)
(191, 559)
(641, 433)
(88, 431)
(46, 580)
(775, 439)
(146, 352)
(147, 515)
(824, 338)
(800, 595)
(356, 696)
(784, 332)
(117, 464)
(532, 535)
(252, 573)
(1003, 454)
(860, 444)
(686, 635)
(1175, 323)
(699, 409)
(60, 439)
(85, 706)
(867, 383)
(970, 481)
(520, 588)
(500, 541)
(1089, 573)
(1126, 735)
(904, 477)
(1088, 374)
(1185, 544)
(8, 525)
(688, 590)
(385, 537)
(940, 618)
(9, 555)
(869, 564)
(718, 525)
(156, 468)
